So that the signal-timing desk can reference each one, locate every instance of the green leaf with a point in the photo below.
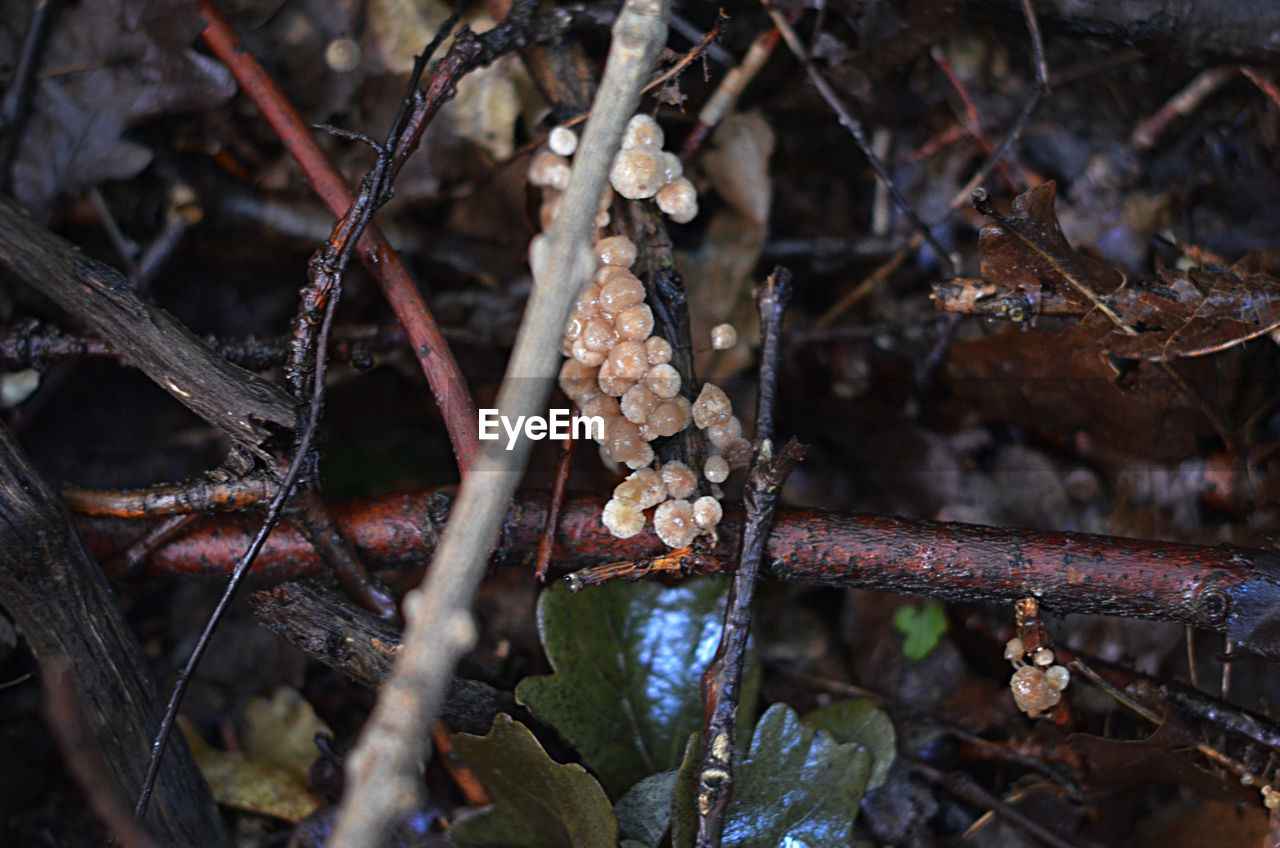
(537, 802)
(645, 811)
(628, 658)
(923, 628)
(798, 788)
(858, 721)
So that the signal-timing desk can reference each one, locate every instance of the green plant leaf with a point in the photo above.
(645, 811)
(628, 658)
(798, 788)
(923, 628)
(858, 721)
(537, 802)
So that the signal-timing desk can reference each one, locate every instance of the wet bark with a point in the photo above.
(1231, 590)
(230, 398)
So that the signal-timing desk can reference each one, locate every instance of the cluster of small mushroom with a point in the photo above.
(619, 371)
(1036, 687)
(640, 170)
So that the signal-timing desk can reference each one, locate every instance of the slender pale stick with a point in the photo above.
(383, 780)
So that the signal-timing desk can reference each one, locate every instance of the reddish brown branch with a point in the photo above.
(433, 353)
(1221, 588)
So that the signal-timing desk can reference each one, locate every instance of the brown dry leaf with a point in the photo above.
(1166, 755)
(109, 65)
(269, 774)
(1194, 313)
(1056, 380)
(1180, 314)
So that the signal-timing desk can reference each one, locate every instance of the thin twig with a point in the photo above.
(547, 544)
(730, 89)
(964, 788)
(382, 775)
(305, 373)
(237, 576)
(1038, 93)
(429, 346)
(854, 126)
(722, 681)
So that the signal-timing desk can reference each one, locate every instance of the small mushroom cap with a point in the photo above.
(645, 487)
(1058, 677)
(724, 432)
(668, 418)
(642, 131)
(599, 335)
(1032, 692)
(1013, 649)
(658, 350)
(723, 336)
(638, 404)
(623, 439)
(672, 169)
(601, 406)
(643, 458)
(678, 200)
(716, 469)
(663, 380)
(585, 355)
(620, 290)
(675, 523)
(679, 479)
(576, 379)
(635, 323)
(622, 517)
(628, 360)
(562, 141)
(707, 512)
(712, 406)
(636, 172)
(549, 170)
(618, 251)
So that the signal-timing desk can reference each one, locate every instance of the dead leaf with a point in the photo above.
(1166, 755)
(269, 774)
(1034, 271)
(109, 65)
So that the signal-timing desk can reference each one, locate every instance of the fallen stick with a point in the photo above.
(1227, 589)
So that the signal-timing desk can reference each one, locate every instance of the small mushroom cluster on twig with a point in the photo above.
(617, 370)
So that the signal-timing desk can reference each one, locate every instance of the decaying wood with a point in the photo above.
(230, 398)
(60, 600)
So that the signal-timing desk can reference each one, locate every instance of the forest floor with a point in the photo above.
(996, 392)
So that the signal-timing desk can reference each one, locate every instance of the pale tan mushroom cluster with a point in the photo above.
(1036, 687)
(618, 370)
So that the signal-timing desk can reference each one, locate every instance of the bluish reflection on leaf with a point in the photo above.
(798, 788)
(628, 659)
